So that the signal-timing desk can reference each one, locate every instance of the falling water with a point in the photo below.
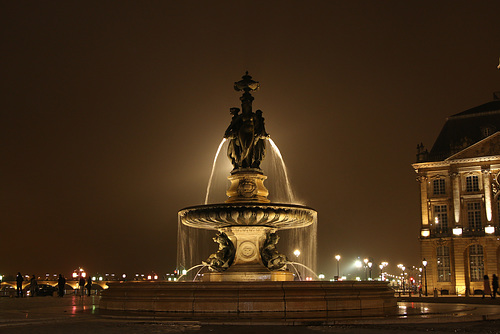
(274, 167)
(184, 274)
(296, 271)
(306, 267)
(213, 169)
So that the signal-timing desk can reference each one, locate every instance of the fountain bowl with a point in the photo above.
(274, 215)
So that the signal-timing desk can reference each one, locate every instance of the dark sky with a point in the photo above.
(111, 113)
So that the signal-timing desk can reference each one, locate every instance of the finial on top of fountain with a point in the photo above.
(246, 84)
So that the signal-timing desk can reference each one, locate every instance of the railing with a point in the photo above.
(441, 232)
(473, 232)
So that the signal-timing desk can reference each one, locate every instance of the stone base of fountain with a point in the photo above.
(248, 276)
(250, 300)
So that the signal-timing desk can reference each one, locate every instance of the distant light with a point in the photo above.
(489, 229)
(425, 233)
(296, 252)
(321, 276)
(155, 277)
(457, 231)
(337, 257)
(100, 278)
(93, 278)
(184, 271)
(84, 274)
(149, 277)
(124, 276)
(358, 278)
(74, 275)
(170, 279)
(358, 263)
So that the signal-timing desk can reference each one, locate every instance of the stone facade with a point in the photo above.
(459, 182)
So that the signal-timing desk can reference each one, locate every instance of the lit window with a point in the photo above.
(476, 263)
(472, 183)
(474, 216)
(439, 187)
(443, 264)
(440, 217)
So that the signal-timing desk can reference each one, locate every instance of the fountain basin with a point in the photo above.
(274, 215)
(252, 300)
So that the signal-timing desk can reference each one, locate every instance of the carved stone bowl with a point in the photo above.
(215, 216)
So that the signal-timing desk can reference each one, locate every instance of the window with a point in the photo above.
(440, 217)
(443, 264)
(439, 187)
(472, 183)
(474, 216)
(476, 263)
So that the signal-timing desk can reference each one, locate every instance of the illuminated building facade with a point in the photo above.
(459, 191)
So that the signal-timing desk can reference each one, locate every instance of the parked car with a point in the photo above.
(46, 290)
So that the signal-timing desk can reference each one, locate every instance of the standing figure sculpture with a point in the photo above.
(246, 133)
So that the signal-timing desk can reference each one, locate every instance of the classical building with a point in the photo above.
(459, 190)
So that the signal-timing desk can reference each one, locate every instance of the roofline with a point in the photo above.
(446, 163)
(471, 146)
(484, 113)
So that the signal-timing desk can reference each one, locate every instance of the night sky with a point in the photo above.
(111, 113)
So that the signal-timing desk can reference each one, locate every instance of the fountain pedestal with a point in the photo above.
(247, 265)
(247, 186)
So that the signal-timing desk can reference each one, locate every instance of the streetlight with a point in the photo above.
(366, 268)
(296, 253)
(337, 257)
(424, 263)
(370, 264)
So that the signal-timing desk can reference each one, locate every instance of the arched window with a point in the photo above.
(476, 263)
(443, 264)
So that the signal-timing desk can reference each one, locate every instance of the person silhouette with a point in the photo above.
(494, 285)
(89, 285)
(33, 286)
(61, 282)
(19, 281)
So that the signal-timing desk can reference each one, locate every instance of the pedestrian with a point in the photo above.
(89, 285)
(494, 285)
(486, 286)
(33, 286)
(61, 282)
(81, 285)
(19, 281)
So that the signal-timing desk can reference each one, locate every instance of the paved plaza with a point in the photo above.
(74, 314)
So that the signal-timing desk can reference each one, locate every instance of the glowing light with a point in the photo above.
(321, 276)
(84, 274)
(457, 231)
(489, 229)
(296, 252)
(425, 233)
(358, 263)
(337, 257)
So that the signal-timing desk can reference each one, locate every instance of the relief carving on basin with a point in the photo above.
(216, 216)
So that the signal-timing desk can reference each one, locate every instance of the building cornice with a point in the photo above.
(447, 163)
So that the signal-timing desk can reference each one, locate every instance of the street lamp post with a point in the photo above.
(424, 263)
(370, 264)
(366, 269)
(337, 257)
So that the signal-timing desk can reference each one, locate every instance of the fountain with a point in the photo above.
(247, 276)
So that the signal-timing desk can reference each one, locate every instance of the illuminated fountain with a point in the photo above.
(247, 276)
(247, 223)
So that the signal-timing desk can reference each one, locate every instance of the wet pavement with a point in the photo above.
(74, 314)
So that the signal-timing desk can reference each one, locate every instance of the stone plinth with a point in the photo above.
(247, 186)
(252, 300)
